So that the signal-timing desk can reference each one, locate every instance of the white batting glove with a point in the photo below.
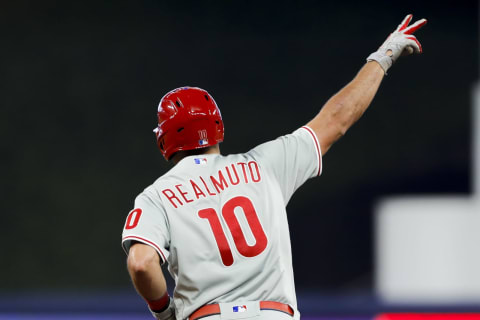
(167, 314)
(400, 42)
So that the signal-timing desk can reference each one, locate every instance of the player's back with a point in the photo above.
(220, 222)
(229, 236)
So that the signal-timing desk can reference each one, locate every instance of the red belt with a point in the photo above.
(213, 309)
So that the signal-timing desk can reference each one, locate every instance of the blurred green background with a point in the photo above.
(79, 87)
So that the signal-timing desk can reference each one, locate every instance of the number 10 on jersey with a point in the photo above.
(233, 225)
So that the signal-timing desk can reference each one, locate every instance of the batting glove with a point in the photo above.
(167, 314)
(400, 42)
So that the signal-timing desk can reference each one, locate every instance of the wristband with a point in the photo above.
(159, 305)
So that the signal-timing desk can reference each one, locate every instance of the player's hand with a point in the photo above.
(400, 42)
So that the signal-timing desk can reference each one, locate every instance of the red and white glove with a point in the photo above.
(400, 42)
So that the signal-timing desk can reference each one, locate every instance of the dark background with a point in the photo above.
(79, 87)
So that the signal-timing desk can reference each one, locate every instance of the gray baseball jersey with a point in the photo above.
(220, 222)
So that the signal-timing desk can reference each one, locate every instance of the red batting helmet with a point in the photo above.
(188, 118)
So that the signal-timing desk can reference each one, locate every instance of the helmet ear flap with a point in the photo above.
(161, 145)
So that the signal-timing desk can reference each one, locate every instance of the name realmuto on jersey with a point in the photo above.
(206, 186)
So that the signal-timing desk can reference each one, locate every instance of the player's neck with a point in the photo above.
(182, 154)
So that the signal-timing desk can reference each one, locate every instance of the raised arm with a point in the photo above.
(344, 108)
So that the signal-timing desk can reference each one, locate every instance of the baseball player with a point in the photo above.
(220, 221)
